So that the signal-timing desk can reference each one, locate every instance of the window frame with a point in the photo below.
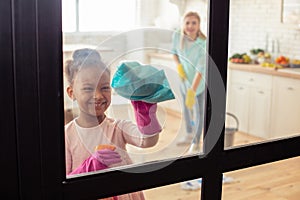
(34, 64)
(9, 182)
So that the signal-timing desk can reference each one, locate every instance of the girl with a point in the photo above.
(189, 45)
(89, 85)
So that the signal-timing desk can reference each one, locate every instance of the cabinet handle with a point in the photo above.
(290, 88)
(241, 88)
(251, 79)
(261, 92)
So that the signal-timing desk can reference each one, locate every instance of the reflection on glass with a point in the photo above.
(105, 126)
(278, 180)
(263, 86)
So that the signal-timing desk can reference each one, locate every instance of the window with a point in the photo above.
(33, 143)
(95, 15)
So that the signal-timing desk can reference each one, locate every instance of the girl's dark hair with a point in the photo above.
(83, 58)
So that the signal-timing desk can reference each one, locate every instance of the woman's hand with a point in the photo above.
(181, 72)
(190, 99)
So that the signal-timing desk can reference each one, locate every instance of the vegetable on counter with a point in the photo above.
(256, 51)
(282, 60)
(240, 58)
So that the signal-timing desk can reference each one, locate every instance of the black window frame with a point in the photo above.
(34, 118)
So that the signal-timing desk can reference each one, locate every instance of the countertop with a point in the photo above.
(284, 72)
(255, 68)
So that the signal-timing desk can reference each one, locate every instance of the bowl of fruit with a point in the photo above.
(295, 63)
(240, 58)
(255, 55)
(283, 61)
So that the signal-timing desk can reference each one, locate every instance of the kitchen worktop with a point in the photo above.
(285, 72)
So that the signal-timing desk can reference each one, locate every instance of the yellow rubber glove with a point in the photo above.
(181, 72)
(190, 98)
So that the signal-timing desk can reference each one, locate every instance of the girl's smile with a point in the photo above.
(92, 91)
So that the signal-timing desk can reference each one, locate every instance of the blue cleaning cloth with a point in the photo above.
(135, 81)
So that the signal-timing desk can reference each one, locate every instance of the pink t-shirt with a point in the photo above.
(81, 142)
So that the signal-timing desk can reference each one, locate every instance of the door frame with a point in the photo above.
(34, 125)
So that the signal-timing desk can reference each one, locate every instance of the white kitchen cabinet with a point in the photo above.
(259, 112)
(237, 104)
(286, 107)
(249, 98)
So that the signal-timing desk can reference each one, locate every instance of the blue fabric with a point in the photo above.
(138, 82)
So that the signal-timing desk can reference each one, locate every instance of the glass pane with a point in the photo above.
(95, 15)
(263, 84)
(68, 15)
(278, 180)
(123, 90)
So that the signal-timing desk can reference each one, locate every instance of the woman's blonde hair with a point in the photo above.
(200, 34)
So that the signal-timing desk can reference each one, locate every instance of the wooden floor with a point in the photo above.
(274, 181)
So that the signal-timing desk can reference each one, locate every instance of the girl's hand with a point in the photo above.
(145, 115)
(107, 157)
(190, 98)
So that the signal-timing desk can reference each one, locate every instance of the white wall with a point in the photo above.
(253, 22)
(199, 6)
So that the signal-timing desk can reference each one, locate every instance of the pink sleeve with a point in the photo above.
(68, 157)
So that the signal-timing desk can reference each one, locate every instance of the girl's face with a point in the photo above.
(191, 26)
(91, 88)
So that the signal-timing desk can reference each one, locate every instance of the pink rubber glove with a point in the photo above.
(145, 116)
(107, 157)
(89, 165)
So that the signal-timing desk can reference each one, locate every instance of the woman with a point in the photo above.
(189, 50)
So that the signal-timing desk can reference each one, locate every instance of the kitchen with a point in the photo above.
(263, 99)
(252, 26)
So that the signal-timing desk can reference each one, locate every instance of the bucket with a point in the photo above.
(230, 131)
